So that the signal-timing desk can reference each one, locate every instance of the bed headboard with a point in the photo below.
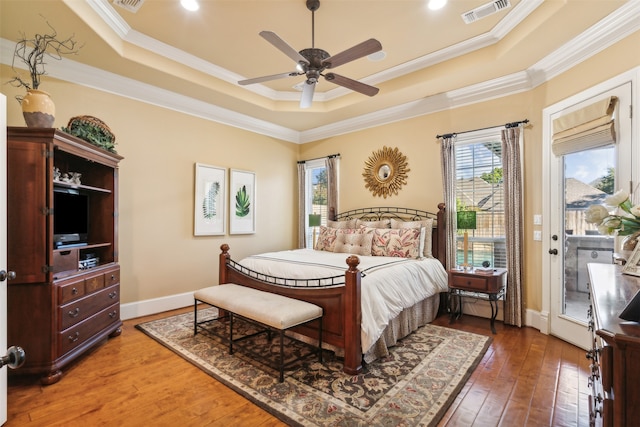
(438, 239)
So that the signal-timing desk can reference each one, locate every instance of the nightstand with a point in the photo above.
(489, 286)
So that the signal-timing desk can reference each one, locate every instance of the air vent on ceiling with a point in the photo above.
(485, 10)
(130, 5)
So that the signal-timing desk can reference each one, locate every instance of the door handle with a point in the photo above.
(14, 359)
(553, 251)
(7, 275)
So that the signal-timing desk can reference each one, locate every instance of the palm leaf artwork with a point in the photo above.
(243, 204)
(209, 201)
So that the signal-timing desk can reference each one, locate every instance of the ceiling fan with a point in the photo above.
(312, 62)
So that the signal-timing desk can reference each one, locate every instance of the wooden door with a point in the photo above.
(28, 218)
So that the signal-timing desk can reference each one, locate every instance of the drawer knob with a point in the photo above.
(113, 314)
(74, 338)
(113, 294)
(74, 313)
(74, 291)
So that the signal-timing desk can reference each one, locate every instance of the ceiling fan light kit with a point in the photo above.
(312, 62)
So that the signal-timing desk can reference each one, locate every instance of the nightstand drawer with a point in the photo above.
(470, 283)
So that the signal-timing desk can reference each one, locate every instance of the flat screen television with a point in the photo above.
(70, 217)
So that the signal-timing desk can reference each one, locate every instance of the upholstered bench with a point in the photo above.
(269, 310)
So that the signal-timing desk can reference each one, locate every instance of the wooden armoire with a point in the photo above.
(65, 297)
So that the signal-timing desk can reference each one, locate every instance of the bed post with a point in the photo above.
(222, 264)
(353, 318)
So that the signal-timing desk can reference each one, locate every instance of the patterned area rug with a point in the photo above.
(413, 386)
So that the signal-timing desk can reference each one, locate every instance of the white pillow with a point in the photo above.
(342, 224)
(383, 223)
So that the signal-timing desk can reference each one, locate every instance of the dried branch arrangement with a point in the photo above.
(33, 53)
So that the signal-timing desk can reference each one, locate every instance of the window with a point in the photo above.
(315, 195)
(479, 187)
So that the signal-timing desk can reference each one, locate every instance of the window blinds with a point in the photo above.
(589, 127)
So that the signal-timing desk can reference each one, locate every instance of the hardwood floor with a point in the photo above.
(525, 379)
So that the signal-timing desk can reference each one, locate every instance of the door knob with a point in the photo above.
(553, 251)
(7, 275)
(14, 359)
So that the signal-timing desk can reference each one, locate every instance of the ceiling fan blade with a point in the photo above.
(358, 51)
(267, 78)
(283, 47)
(307, 94)
(363, 88)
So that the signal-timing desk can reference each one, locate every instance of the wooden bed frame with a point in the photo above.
(340, 301)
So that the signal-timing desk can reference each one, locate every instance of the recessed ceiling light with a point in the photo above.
(436, 4)
(191, 5)
(377, 56)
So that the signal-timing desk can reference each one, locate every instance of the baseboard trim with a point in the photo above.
(148, 307)
(473, 307)
(481, 308)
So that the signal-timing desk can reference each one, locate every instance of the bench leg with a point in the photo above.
(320, 340)
(281, 355)
(195, 317)
(230, 333)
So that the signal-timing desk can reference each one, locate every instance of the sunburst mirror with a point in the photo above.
(385, 172)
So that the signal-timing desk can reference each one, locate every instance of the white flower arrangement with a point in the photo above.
(612, 224)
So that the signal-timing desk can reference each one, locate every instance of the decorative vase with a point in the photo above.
(38, 109)
(629, 242)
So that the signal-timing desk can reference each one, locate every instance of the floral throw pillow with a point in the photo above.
(402, 242)
(426, 242)
(327, 238)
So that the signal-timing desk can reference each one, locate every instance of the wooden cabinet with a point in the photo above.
(66, 295)
(614, 356)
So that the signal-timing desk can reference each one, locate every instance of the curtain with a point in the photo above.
(514, 225)
(302, 208)
(589, 127)
(448, 160)
(331, 163)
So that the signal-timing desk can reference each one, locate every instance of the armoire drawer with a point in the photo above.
(80, 309)
(87, 329)
(74, 288)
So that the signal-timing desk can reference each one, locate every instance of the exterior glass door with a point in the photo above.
(589, 177)
(576, 181)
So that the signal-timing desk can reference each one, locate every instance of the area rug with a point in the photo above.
(413, 386)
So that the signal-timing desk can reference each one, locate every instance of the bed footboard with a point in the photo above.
(340, 304)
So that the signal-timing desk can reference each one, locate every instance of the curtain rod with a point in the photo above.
(508, 125)
(330, 156)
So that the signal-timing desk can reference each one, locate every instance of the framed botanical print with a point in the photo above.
(210, 198)
(242, 202)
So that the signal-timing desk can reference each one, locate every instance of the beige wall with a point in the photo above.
(158, 252)
(416, 138)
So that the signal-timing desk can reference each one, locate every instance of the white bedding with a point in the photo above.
(389, 284)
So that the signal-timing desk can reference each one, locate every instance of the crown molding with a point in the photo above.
(85, 75)
(111, 17)
(620, 24)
